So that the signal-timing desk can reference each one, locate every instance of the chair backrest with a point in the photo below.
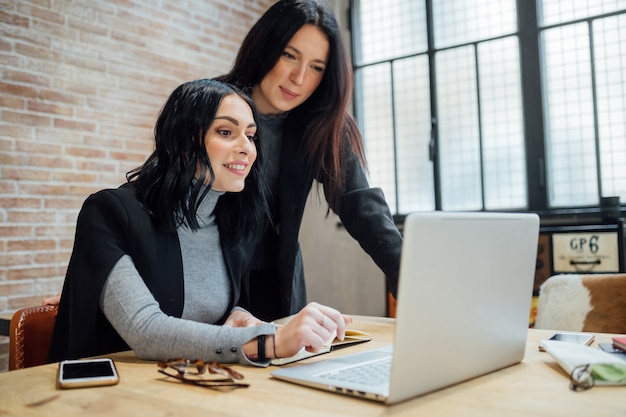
(30, 336)
(585, 302)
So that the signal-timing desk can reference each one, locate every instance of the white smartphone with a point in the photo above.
(573, 337)
(87, 373)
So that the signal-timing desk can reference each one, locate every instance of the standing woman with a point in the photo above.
(294, 66)
(157, 263)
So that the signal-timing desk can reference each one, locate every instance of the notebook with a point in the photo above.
(463, 305)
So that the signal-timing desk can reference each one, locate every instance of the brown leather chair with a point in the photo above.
(30, 336)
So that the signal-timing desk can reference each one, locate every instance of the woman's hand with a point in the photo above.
(52, 301)
(242, 318)
(311, 328)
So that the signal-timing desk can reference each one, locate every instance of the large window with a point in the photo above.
(492, 104)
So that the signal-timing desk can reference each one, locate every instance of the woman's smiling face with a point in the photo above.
(230, 144)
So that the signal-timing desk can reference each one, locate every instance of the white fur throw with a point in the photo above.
(588, 302)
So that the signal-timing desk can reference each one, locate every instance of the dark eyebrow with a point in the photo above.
(234, 121)
(230, 119)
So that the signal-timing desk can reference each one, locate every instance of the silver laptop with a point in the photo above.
(463, 305)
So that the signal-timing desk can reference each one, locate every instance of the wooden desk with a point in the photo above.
(536, 387)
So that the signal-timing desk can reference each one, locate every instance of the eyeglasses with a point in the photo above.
(581, 378)
(195, 372)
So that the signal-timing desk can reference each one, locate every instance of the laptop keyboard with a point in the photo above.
(369, 373)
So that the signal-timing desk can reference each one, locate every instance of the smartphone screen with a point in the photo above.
(87, 369)
(580, 338)
(87, 373)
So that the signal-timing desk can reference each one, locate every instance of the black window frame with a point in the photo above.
(528, 33)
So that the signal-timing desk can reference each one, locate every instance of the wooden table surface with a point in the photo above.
(536, 387)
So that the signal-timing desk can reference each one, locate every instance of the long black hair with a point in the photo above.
(323, 119)
(165, 182)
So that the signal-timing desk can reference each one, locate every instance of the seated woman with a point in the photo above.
(157, 263)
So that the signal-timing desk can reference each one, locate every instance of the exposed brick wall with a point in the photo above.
(81, 83)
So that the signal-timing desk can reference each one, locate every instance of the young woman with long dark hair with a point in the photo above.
(294, 66)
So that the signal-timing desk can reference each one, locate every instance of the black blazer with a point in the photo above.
(113, 223)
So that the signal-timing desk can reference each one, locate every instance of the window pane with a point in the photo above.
(559, 11)
(462, 21)
(502, 124)
(459, 146)
(412, 108)
(610, 62)
(390, 29)
(376, 122)
(570, 137)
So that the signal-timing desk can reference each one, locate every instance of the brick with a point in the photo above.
(10, 59)
(89, 11)
(33, 272)
(100, 166)
(48, 287)
(30, 245)
(40, 13)
(32, 147)
(17, 90)
(86, 152)
(120, 132)
(58, 231)
(15, 131)
(8, 159)
(90, 26)
(52, 257)
(28, 37)
(16, 287)
(99, 141)
(55, 109)
(54, 30)
(8, 187)
(12, 230)
(25, 118)
(67, 243)
(83, 191)
(12, 102)
(100, 116)
(62, 203)
(31, 216)
(37, 52)
(129, 156)
(51, 134)
(73, 176)
(74, 125)
(20, 202)
(144, 146)
(50, 161)
(5, 46)
(14, 19)
(52, 95)
(83, 87)
(25, 174)
(25, 77)
(15, 259)
(43, 189)
(115, 180)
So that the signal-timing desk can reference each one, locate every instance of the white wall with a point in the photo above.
(338, 272)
